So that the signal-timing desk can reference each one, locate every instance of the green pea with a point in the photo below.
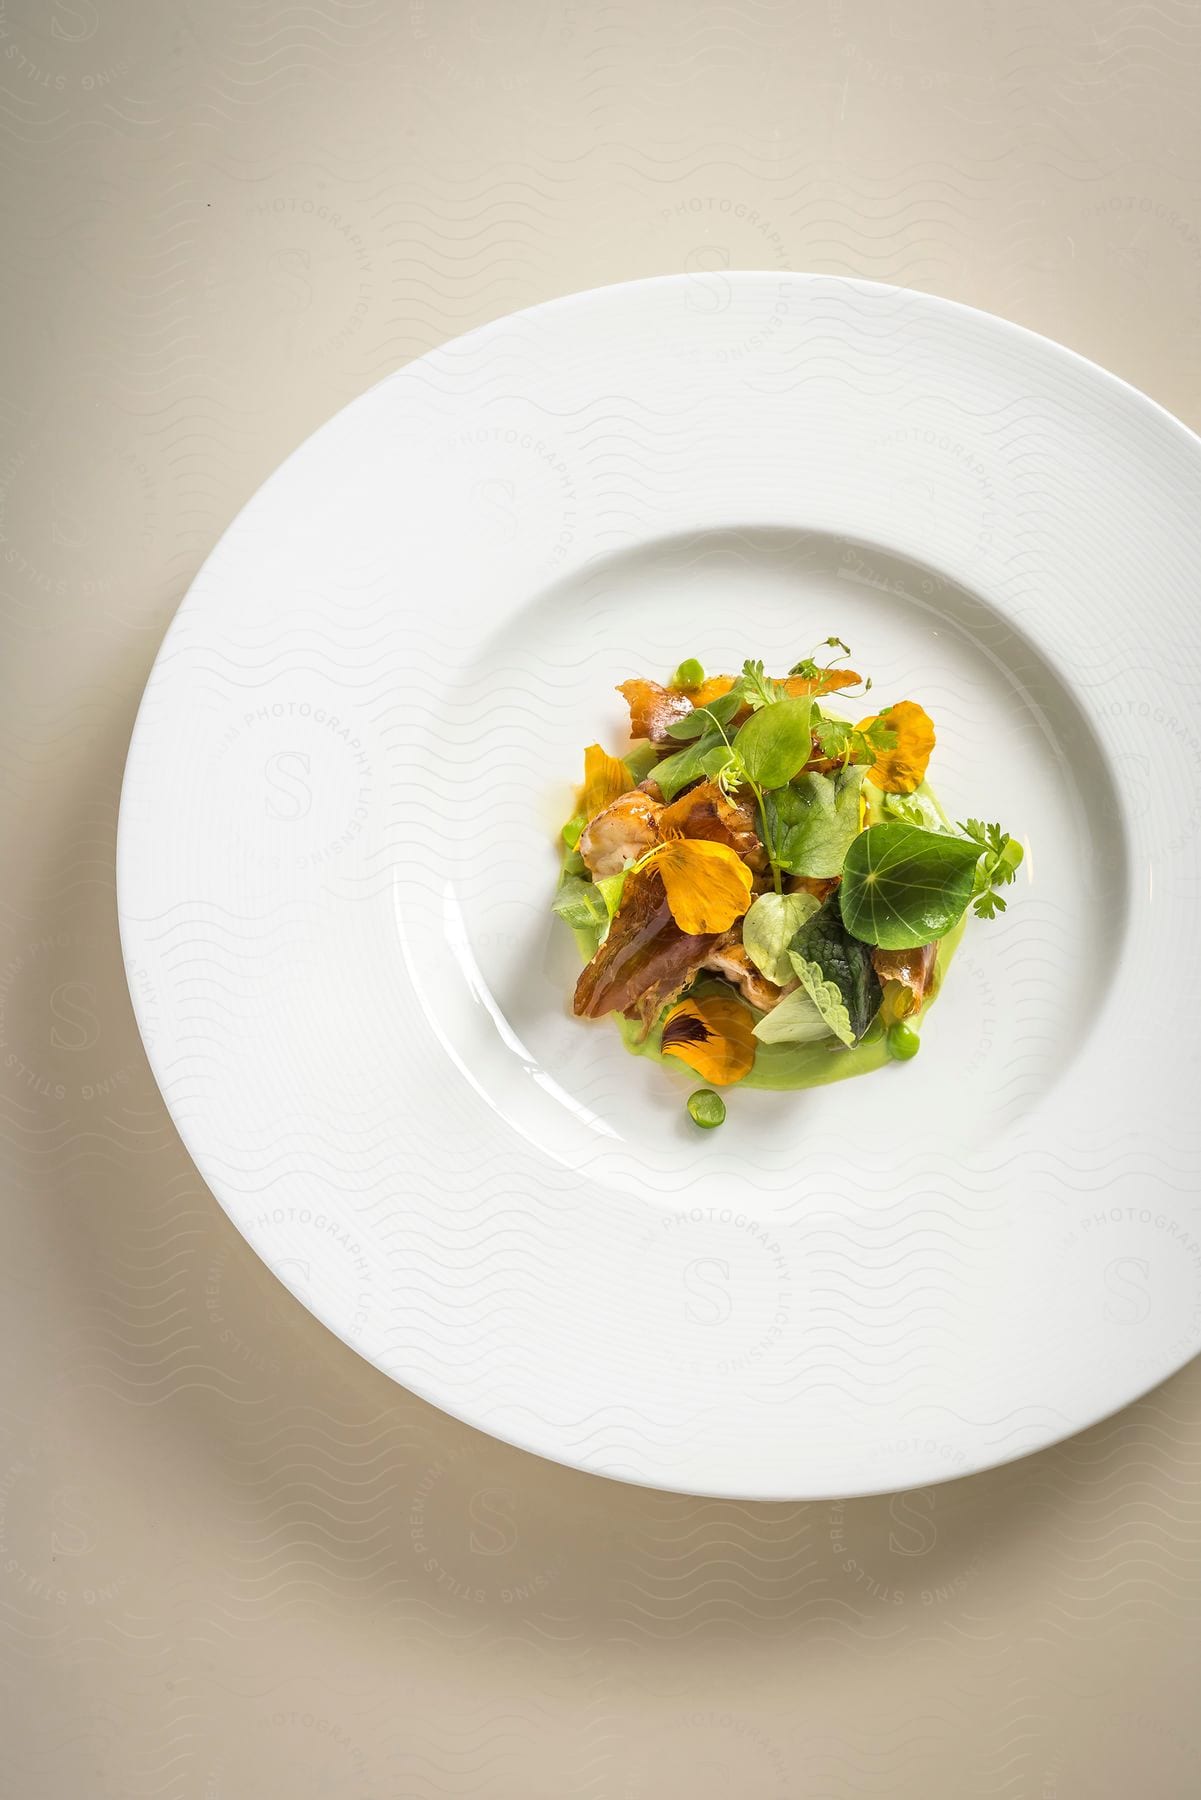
(706, 1109)
(903, 1041)
(690, 674)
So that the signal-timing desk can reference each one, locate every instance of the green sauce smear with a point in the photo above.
(785, 1066)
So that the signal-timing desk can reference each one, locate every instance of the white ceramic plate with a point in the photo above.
(336, 862)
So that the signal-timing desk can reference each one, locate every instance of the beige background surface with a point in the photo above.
(234, 1560)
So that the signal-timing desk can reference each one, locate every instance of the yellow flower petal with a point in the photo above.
(606, 778)
(902, 769)
(707, 884)
(714, 1034)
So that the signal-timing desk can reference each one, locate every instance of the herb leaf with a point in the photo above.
(701, 718)
(836, 972)
(903, 886)
(854, 743)
(757, 689)
(998, 866)
(676, 772)
(769, 927)
(581, 904)
(776, 742)
(794, 1021)
(812, 821)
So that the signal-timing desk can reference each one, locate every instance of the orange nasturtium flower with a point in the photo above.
(707, 884)
(714, 1034)
(903, 768)
(606, 778)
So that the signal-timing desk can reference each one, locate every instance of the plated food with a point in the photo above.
(764, 889)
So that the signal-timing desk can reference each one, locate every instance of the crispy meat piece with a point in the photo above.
(705, 812)
(820, 886)
(631, 824)
(645, 959)
(620, 833)
(729, 959)
(914, 968)
(654, 707)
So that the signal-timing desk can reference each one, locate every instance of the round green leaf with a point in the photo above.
(903, 886)
(776, 742)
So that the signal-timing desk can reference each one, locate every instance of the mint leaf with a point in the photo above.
(903, 886)
(812, 821)
(836, 972)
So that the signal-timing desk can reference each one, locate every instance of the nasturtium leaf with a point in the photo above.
(794, 1021)
(813, 820)
(771, 923)
(835, 970)
(776, 742)
(903, 886)
(676, 772)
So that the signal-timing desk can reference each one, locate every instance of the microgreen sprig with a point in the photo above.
(847, 743)
(1001, 857)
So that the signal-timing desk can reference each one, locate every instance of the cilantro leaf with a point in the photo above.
(757, 689)
(851, 743)
(999, 864)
